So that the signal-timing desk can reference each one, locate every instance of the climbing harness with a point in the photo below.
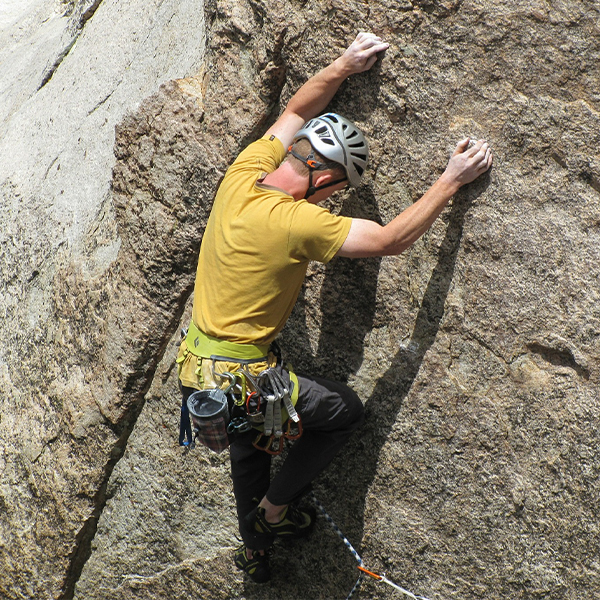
(363, 570)
(258, 391)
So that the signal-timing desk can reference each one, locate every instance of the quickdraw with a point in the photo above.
(363, 570)
(260, 398)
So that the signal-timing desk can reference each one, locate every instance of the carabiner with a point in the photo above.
(294, 429)
(239, 424)
(268, 447)
(253, 402)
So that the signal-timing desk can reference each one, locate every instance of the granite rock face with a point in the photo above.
(70, 73)
(476, 351)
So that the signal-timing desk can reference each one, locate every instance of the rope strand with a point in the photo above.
(356, 586)
(336, 529)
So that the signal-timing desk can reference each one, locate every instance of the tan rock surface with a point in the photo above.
(476, 352)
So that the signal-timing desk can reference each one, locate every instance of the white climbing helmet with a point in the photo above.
(340, 141)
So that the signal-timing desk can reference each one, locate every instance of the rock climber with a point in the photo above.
(264, 228)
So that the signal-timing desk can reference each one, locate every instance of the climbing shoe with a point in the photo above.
(295, 522)
(257, 567)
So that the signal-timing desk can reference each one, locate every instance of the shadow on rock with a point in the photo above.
(344, 486)
(346, 300)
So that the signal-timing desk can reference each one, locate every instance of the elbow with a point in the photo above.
(389, 244)
(369, 239)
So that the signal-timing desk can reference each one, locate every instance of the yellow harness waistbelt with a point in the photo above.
(207, 346)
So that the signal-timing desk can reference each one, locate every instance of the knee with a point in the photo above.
(356, 409)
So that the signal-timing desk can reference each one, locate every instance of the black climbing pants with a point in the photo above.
(330, 412)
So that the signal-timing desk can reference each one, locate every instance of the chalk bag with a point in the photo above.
(210, 417)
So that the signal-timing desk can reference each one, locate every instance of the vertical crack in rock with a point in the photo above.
(83, 542)
(83, 19)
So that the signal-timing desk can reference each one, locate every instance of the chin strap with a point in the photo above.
(312, 189)
(313, 165)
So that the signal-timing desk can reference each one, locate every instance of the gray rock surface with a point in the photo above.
(69, 73)
(476, 351)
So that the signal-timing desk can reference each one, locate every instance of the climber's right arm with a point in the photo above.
(368, 238)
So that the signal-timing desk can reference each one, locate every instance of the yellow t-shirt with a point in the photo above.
(255, 250)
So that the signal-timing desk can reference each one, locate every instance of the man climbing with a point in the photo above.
(264, 228)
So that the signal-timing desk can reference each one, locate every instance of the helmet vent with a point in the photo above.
(359, 169)
(328, 141)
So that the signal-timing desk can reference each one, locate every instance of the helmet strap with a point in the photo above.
(313, 165)
(309, 161)
(311, 189)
